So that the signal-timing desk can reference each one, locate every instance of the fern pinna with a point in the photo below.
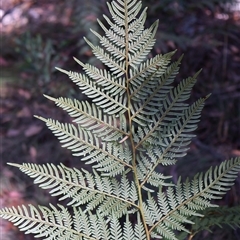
(135, 122)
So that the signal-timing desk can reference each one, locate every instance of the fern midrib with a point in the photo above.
(42, 222)
(105, 56)
(138, 54)
(144, 84)
(165, 113)
(92, 69)
(148, 66)
(163, 58)
(81, 82)
(72, 106)
(151, 96)
(49, 123)
(134, 163)
(110, 47)
(24, 169)
(172, 142)
(209, 186)
(110, 32)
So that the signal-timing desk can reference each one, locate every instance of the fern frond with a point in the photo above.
(139, 230)
(107, 157)
(137, 44)
(135, 124)
(51, 223)
(169, 109)
(103, 78)
(83, 188)
(140, 47)
(188, 198)
(99, 228)
(116, 67)
(130, 230)
(150, 106)
(155, 179)
(149, 74)
(93, 119)
(171, 141)
(220, 217)
(109, 104)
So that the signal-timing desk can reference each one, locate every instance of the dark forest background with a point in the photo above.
(38, 35)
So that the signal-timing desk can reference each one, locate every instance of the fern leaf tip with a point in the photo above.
(14, 164)
(49, 97)
(197, 73)
(208, 96)
(78, 61)
(40, 118)
(62, 70)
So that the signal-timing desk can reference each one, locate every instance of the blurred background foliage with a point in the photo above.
(39, 35)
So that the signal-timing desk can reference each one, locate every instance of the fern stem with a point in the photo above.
(190, 237)
(134, 163)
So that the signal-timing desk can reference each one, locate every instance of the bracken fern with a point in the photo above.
(135, 122)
